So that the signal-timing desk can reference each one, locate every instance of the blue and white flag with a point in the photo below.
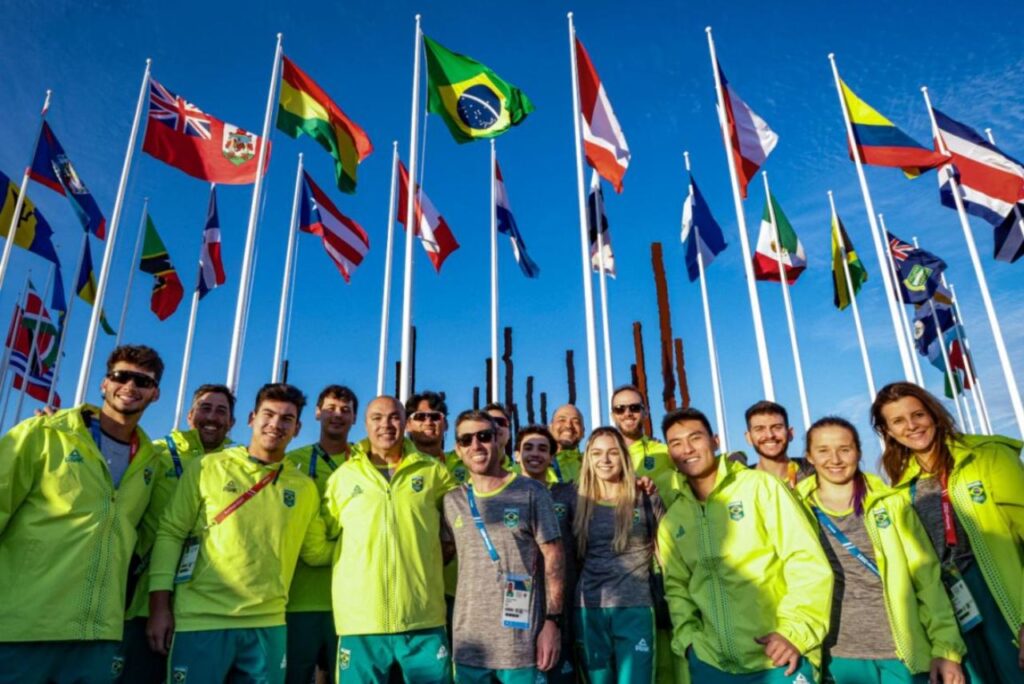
(919, 272)
(1009, 236)
(507, 225)
(211, 267)
(700, 231)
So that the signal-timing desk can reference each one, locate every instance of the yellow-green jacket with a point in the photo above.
(311, 586)
(743, 564)
(921, 618)
(388, 572)
(986, 488)
(168, 474)
(650, 459)
(66, 533)
(246, 562)
(569, 462)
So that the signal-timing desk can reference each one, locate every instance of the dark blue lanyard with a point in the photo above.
(479, 522)
(318, 452)
(558, 471)
(173, 448)
(97, 434)
(827, 523)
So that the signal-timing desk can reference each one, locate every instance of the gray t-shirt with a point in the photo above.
(563, 494)
(927, 502)
(117, 455)
(518, 517)
(609, 579)
(858, 601)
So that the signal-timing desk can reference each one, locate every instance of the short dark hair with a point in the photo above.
(216, 389)
(338, 392)
(138, 355)
(477, 415)
(536, 430)
(435, 400)
(628, 388)
(679, 415)
(497, 406)
(280, 391)
(767, 408)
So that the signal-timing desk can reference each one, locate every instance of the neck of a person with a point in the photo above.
(562, 448)
(389, 457)
(775, 465)
(436, 449)
(608, 490)
(837, 497)
(541, 477)
(118, 425)
(632, 439)
(701, 485)
(928, 459)
(264, 455)
(491, 479)
(334, 445)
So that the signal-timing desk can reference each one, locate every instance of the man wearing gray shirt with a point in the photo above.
(505, 532)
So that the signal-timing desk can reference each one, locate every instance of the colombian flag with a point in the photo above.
(33, 232)
(881, 143)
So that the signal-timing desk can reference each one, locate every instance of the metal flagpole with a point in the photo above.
(12, 232)
(1016, 205)
(976, 392)
(588, 290)
(853, 303)
(907, 332)
(494, 278)
(5, 365)
(986, 298)
(66, 322)
(385, 306)
(905, 356)
(108, 252)
(755, 304)
(33, 339)
(609, 382)
(804, 409)
(405, 381)
(245, 279)
(131, 272)
(286, 281)
(179, 404)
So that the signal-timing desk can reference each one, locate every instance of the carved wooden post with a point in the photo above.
(668, 393)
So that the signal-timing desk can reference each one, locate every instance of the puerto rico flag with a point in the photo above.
(431, 228)
(603, 141)
(344, 240)
(211, 267)
(507, 226)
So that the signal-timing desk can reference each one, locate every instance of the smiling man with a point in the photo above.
(567, 429)
(650, 457)
(768, 431)
(73, 488)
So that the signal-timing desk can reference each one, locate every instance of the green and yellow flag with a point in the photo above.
(858, 274)
(473, 100)
(85, 285)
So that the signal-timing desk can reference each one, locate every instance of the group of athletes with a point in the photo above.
(613, 559)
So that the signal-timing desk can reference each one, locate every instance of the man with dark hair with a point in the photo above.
(388, 592)
(73, 487)
(650, 457)
(210, 417)
(567, 429)
(227, 546)
(427, 421)
(312, 639)
(503, 424)
(768, 431)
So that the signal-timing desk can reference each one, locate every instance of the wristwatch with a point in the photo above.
(557, 618)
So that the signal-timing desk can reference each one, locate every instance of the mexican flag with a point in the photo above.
(766, 259)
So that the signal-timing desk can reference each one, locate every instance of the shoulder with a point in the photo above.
(986, 447)
(454, 496)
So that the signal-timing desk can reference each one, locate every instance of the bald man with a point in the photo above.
(567, 429)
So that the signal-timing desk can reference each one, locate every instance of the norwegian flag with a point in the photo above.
(431, 228)
(211, 268)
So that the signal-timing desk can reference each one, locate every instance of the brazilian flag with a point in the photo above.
(473, 101)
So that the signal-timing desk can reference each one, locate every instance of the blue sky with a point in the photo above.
(654, 63)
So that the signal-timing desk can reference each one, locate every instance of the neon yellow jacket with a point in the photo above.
(387, 575)
(66, 533)
(311, 586)
(455, 466)
(167, 476)
(246, 562)
(744, 563)
(569, 462)
(650, 459)
(986, 488)
(921, 618)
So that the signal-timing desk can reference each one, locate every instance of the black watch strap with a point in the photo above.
(557, 618)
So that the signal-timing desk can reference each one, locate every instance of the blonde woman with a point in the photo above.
(615, 527)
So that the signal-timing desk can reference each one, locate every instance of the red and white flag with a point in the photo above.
(750, 137)
(431, 228)
(603, 141)
(211, 266)
(344, 240)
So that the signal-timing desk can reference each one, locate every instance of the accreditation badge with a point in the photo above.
(187, 563)
(515, 609)
(966, 609)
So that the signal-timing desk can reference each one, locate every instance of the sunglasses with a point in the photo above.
(500, 421)
(484, 437)
(631, 408)
(424, 416)
(123, 377)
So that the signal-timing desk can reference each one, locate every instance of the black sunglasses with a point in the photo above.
(484, 437)
(632, 408)
(500, 421)
(123, 377)
(422, 416)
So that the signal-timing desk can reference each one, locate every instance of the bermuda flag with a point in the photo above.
(52, 168)
(700, 232)
(507, 226)
(182, 135)
(603, 141)
(766, 258)
(751, 139)
(598, 220)
(431, 228)
(991, 182)
(211, 268)
(344, 240)
(1009, 236)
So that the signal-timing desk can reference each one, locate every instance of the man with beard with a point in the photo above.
(210, 418)
(650, 457)
(73, 487)
(312, 639)
(768, 431)
(427, 421)
(567, 429)
(388, 590)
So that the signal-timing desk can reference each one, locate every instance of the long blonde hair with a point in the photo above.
(587, 489)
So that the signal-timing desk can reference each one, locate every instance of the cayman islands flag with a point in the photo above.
(507, 226)
(431, 228)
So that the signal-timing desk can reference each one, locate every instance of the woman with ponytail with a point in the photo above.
(891, 621)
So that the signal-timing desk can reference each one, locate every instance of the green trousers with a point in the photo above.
(61, 662)
(141, 663)
(863, 671)
(214, 656)
(991, 653)
(616, 645)
(312, 642)
(418, 656)
(464, 674)
(706, 674)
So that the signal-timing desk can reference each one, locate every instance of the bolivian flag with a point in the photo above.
(473, 100)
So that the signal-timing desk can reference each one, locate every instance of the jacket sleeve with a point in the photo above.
(1006, 478)
(446, 482)
(933, 604)
(176, 524)
(330, 506)
(316, 548)
(803, 611)
(683, 610)
(20, 451)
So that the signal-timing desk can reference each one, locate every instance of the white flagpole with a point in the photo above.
(186, 360)
(905, 356)
(976, 392)
(588, 292)
(907, 332)
(245, 279)
(741, 221)
(108, 251)
(66, 322)
(131, 272)
(853, 302)
(609, 382)
(12, 232)
(405, 381)
(385, 306)
(286, 281)
(33, 339)
(986, 298)
(494, 277)
(5, 365)
(1016, 205)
